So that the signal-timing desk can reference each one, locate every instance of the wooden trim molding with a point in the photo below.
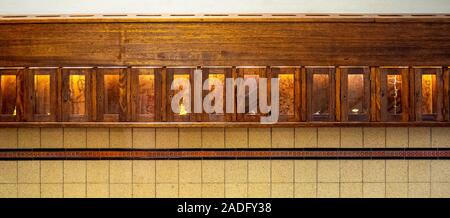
(220, 154)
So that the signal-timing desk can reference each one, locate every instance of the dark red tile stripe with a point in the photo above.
(111, 154)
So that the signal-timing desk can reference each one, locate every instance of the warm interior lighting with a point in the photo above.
(146, 94)
(287, 97)
(112, 94)
(42, 94)
(249, 91)
(320, 94)
(429, 97)
(355, 92)
(8, 94)
(77, 90)
(394, 94)
(184, 79)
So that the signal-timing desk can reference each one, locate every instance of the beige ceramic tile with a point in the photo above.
(190, 137)
(236, 171)
(97, 171)
(259, 137)
(8, 171)
(374, 190)
(144, 190)
(29, 137)
(213, 190)
(190, 171)
(166, 137)
(419, 137)
(419, 170)
(259, 171)
(351, 190)
(374, 170)
(328, 190)
(419, 190)
(29, 172)
(213, 137)
(351, 137)
(52, 172)
(8, 138)
(120, 190)
(396, 190)
(282, 190)
(8, 190)
(440, 137)
(396, 137)
(213, 171)
(351, 171)
(440, 171)
(74, 172)
(74, 190)
(143, 138)
(374, 137)
(120, 172)
(305, 171)
(329, 137)
(52, 138)
(306, 137)
(120, 138)
(305, 190)
(258, 190)
(144, 171)
(396, 171)
(328, 171)
(167, 190)
(167, 171)
(97, 137)
(75, 137)
(282, 137)
(282, 171)
(236, 190)
(440, 190)
(236, 137)
(29, 190)
(51, 190)
(190, 190)
(97, 190)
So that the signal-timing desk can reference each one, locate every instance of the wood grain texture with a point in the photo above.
(225, 44)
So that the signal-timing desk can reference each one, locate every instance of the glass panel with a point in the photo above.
(42, 94)
(77, 90)
(286, 94)
(184, 85)
(146, 102)
(112, 94)
(9, 94)
(216, 78)
(355, 92)
(320, 94)
(429, 96)
(394, 94)
(249, 91)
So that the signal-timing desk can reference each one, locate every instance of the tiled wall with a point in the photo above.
(225, 178)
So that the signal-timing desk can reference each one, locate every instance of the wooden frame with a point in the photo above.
(330, 108)
(155, 114)
(52, 110)
(121, 113)
(436, 99)
(227, 73)
(171, 116)
(261, 72)
(295, 115)
(346, 112)
(19, 106)
(66, 95)
(402, 113)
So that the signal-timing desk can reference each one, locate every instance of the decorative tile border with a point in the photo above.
(199, 154)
